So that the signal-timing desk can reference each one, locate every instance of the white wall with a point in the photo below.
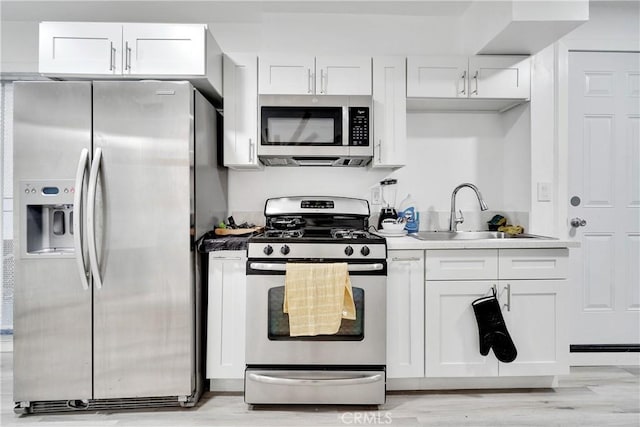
(18, 47)
(308, 33)
(445, 149)
(342, 34)
(611, 23)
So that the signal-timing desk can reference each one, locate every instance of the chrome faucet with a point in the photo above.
(453, 220)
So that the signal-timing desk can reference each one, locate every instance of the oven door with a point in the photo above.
(359, 342)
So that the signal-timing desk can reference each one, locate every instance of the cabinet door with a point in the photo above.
(226, 315)
(286, 74)
(452, 346)
(389, 111)
(405, 314)
(499, 76)
(164, 49)
(535, 315)
(437, 76)
(80, 48)
(240, 111)
(343, 75)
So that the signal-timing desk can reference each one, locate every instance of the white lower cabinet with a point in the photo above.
(405, 314)
(533, 310)
(535, 316)
(226, 315)
(452, 341)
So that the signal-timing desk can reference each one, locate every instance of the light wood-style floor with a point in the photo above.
(589, 396)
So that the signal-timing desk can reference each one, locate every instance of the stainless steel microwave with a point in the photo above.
(315, 131)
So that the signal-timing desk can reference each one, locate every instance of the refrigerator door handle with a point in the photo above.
(78, 213)
(91, 217)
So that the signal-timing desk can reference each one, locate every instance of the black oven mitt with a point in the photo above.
(492, 330)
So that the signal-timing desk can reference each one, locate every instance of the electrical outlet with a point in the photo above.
(544, 192)
(376, 197)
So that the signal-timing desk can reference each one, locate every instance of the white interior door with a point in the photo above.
(604, 192)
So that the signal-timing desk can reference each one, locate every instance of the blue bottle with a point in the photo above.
(409, 211)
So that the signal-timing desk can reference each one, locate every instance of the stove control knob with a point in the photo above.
(365, 251)
(348, 251)
(268, 250)
(285, 250)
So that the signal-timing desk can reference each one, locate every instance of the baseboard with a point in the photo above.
(226, 384)
(604, 358)
(6, 343)
(471, 383)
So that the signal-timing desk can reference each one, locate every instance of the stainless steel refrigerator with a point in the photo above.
(113, 183)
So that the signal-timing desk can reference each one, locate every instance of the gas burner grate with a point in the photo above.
(349, 234)
(293, 234)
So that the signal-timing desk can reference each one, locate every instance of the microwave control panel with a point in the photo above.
(359, 126)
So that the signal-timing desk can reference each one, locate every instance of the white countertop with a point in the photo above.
(407, 242)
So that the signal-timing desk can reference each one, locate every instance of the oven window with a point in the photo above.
(301, 125)
(350, 330)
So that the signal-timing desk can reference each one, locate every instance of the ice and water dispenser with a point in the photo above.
(47, 226)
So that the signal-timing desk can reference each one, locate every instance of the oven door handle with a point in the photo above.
(265, 266)
(321, 381)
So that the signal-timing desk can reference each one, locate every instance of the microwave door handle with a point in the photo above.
(91, 217)
(78, 214)
(308, 80)
(265, 266)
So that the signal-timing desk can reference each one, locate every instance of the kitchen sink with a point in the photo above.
(470, 235)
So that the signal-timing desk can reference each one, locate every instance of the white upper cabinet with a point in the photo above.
(343, 75)
(281, 74)
(476, 83)
(286, 75)
(131, 50)
(437, 76)
(80, 48)
(495, 76)
(163, 49)
(240, 111)
(389, 112)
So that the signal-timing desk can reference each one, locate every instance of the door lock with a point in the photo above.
(578, 222)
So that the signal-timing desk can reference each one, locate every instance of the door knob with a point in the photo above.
(578, 222)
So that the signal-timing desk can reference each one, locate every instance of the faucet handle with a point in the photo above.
(460, 219)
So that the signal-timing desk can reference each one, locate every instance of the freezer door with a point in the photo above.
(52, 310)
(144, 309)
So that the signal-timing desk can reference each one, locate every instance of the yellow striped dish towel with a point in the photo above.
(317, 297)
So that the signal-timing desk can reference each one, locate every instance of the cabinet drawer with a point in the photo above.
(231, 254)
(533, 263)
(467, 264)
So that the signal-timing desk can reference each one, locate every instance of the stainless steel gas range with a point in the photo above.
(343, 368)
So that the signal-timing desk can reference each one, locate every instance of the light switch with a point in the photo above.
(376, 197)
(544, 191)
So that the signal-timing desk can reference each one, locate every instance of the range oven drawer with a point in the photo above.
(309, 386)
